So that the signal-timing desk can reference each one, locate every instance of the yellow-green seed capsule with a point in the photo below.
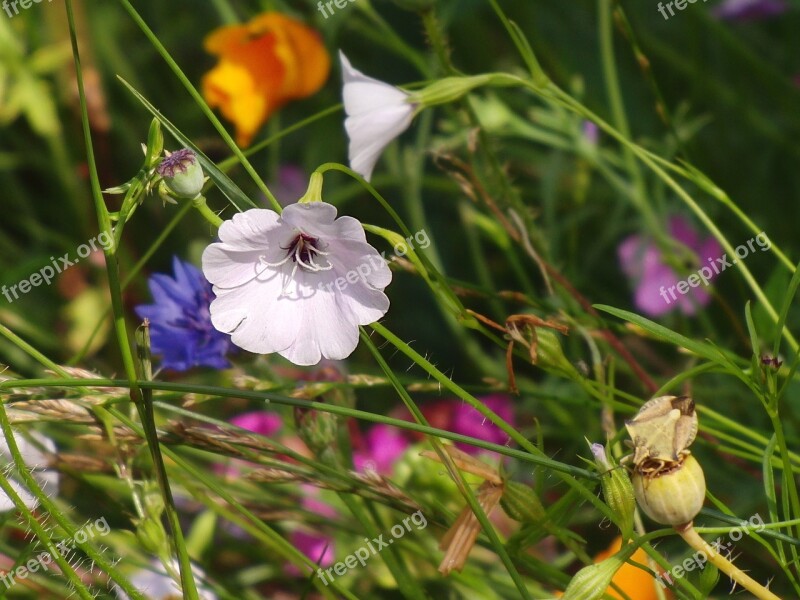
(672, 495)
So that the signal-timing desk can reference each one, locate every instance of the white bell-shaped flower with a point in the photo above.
(299, 283)
(376, 114)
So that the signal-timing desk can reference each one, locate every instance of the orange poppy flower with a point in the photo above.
(635, 582)
(262, 65)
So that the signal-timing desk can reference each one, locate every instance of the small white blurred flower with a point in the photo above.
(36, 461)
(155, 584)
(376, 114)
(298, 284)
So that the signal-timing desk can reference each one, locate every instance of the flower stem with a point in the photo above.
(118, 310)
(209, 215)
(691, 537)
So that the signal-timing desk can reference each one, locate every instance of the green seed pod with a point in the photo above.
(617, 491)
(550, 355)
(672, 495)
(319, 432)
(592, 582)
(182, 174)
(521, 503)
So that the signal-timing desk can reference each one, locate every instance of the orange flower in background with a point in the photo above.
(262, 65)
(635, 582)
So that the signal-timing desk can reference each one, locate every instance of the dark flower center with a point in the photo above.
(303, 250)
(176, 163)
(306, 252)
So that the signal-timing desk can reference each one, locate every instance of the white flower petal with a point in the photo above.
(314, 218)
(363, 98)
(325, 330)
(227, 267)
(369, 135)
(255, 315)
(246, 230)
(28, 500)
(155, 584)
(36, 461)
(376, 114)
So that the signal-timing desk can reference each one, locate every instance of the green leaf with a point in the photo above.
(699, 348)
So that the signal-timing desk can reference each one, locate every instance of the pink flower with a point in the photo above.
(455, 415)
(468, 421)
(749, 10)
(262, 422)
(315, 546)
(381, 447)
(645, 265)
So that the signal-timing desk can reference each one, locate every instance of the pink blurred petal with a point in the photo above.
(383, 445)
(262, 422)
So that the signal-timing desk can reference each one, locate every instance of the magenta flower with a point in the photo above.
(262, 422)
(315, 546)
(749, 10)
(468, 421)
(659, 289)
(381, 448)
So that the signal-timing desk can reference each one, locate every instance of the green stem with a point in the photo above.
(118, 309)
(789, 481)
(209, 215)
(38, 530)
(537, 458)
(694, 540)
(618, 112)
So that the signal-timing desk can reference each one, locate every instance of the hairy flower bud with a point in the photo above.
(182, 174)
(617, 490)
(318, 430)
(672, 495)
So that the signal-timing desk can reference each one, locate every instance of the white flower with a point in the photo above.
(376, 114)
(298, 284)
(155, 584)
(36, 461)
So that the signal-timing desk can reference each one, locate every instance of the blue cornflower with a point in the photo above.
(180, 323)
